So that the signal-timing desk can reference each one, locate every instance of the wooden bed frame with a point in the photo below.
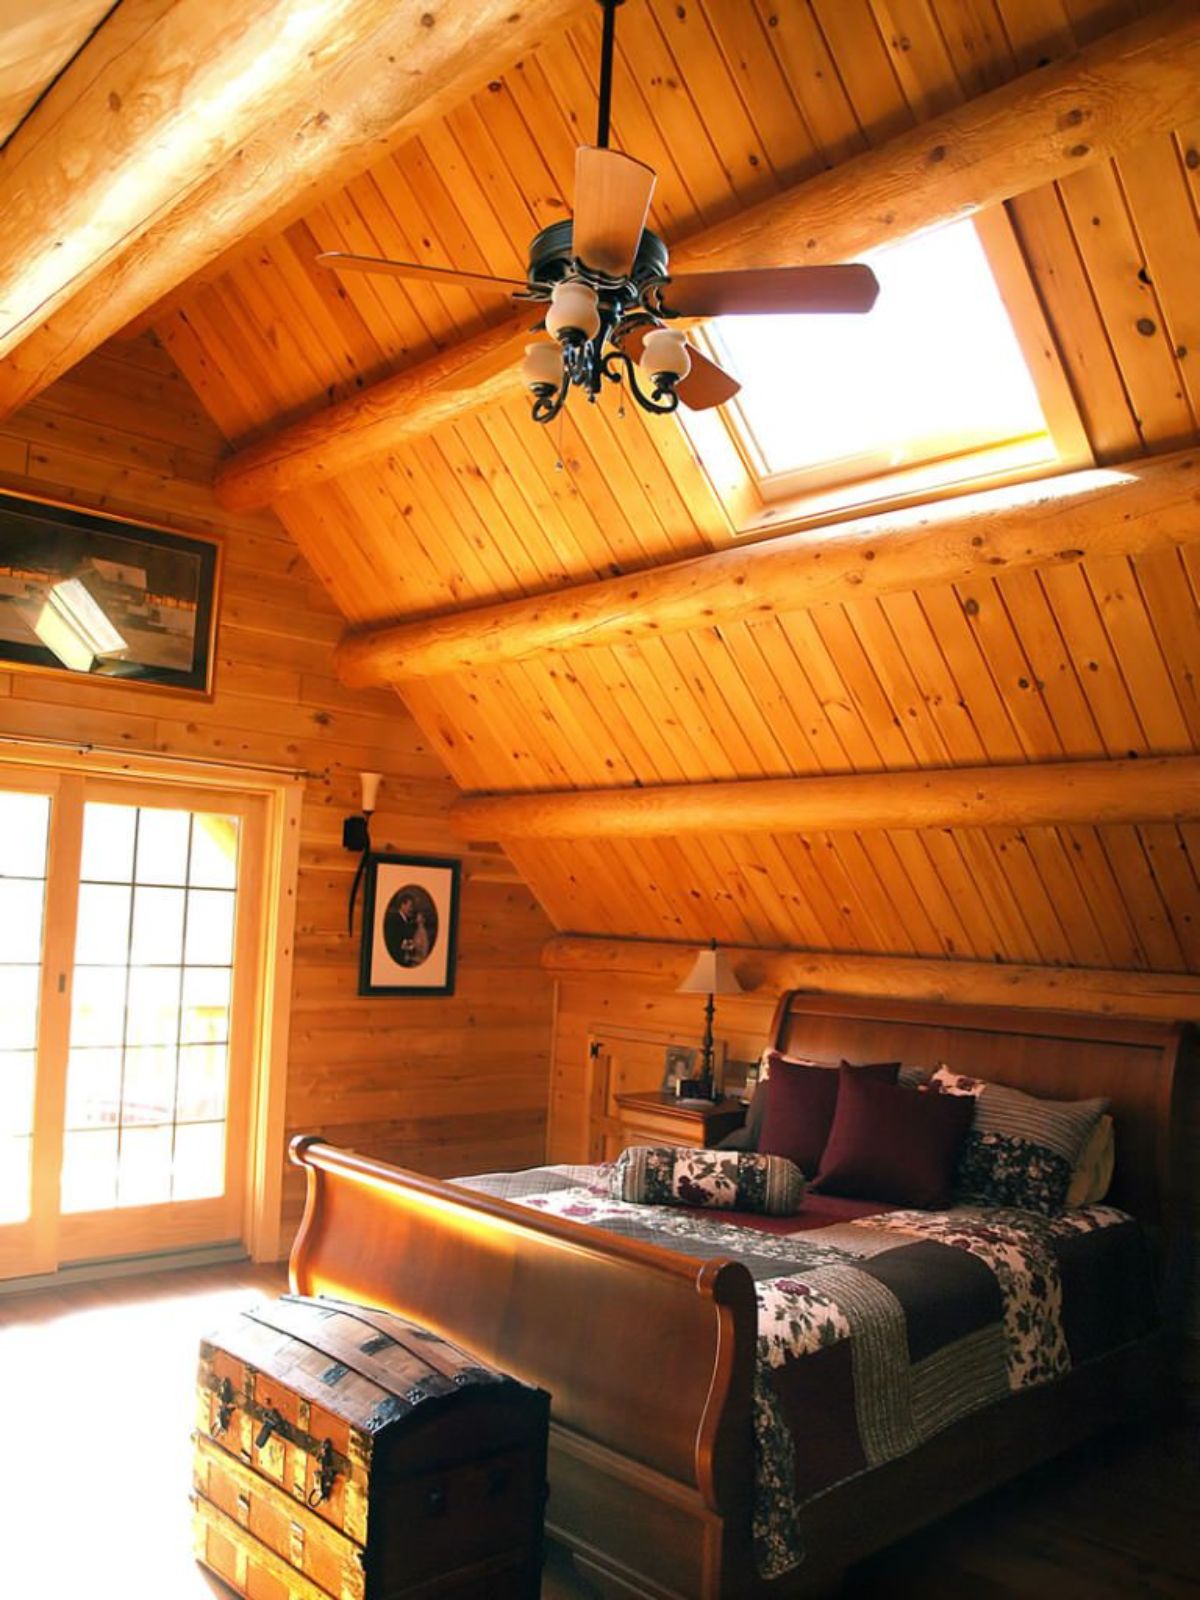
(649, 1356)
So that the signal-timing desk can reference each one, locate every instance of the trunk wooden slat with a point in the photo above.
(347, 1453)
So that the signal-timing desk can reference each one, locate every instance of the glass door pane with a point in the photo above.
(148, 1068)
(24, 833)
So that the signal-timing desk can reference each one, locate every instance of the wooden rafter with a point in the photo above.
(476, 371)
(1126, 510)
(1156, 789)
(161, 97)
(307, 129)
(1055, 121)
(647, 964)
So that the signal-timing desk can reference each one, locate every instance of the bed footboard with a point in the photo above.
(648, 1356)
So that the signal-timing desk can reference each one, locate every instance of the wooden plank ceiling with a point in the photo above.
(731, 100)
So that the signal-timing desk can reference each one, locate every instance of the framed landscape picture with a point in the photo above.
(90, 594)
(410, 926)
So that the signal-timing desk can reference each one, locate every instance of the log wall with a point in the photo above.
(443, 1085)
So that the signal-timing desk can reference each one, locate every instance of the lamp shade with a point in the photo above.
(543, 364)
(712, 973)
(574, 309)
(665, 353)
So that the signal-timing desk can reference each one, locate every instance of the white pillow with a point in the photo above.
(1094, 1170)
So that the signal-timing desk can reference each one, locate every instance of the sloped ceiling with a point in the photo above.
(731, 100)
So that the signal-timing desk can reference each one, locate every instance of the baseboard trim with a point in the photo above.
(72, 1272)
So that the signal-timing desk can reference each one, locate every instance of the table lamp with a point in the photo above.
(711, 974)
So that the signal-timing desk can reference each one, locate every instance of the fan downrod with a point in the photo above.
(606, 63)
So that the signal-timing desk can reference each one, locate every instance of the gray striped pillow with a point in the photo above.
(1020, 1151)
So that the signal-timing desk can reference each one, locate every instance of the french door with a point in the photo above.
(129, 918)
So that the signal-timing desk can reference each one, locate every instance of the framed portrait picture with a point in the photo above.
(86, 593)
(410, 926)
(679, 1062)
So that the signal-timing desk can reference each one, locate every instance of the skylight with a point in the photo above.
(931, 391)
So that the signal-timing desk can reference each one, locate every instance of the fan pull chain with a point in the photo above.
(560, 464)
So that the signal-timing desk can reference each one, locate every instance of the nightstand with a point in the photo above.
(655, 1118)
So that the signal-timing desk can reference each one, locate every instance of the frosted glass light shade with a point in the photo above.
(370, 790)
(543, 364)
(573, 309)
(665, 351)
(712, 973)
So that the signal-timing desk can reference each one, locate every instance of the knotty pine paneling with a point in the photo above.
(443, 1085)
(586, 1007)
(730, 100)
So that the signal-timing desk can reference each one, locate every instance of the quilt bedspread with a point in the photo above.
(875, 1334)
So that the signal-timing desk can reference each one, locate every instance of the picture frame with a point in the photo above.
(98, 596)
(679, 1062)
(410, 925)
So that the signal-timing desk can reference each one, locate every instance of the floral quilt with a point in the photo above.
(875, 1334)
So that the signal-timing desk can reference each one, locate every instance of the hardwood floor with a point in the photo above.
(99, 1382)
(95, 1471)
(1114, 1518)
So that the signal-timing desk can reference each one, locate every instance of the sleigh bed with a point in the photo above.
(649, 1354)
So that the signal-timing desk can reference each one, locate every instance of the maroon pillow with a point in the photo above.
(891, 1143)
(800, 1102)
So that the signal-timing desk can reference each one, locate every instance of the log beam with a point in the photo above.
(1130, 84)
(161, 97)
(1127, 510)
(1088, 107)
(480, 369)
(1156, 789)
(368, 91)
(651, 965)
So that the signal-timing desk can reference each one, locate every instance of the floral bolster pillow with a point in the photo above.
(725, 1180)
(1020, 1151)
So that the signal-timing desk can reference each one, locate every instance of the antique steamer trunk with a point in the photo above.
(343, 1452)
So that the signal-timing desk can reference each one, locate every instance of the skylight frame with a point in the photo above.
(759, 503)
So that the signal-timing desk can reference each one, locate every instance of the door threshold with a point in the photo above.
(71, 1272)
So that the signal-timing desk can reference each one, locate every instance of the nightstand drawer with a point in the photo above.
(661, 1119)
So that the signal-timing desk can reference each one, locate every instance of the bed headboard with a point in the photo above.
(1140, 1066)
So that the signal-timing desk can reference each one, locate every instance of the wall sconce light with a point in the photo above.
(711, 974)
(356, 835)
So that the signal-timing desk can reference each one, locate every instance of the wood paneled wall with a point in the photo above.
(586, 1008)
(448, 1085)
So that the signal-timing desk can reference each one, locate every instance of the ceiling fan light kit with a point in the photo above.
(542, 367)
(610, 297)
(574, 313)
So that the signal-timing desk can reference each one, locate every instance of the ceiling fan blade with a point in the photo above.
(761, 290)
(341, 261)
(705, 386)
(612, 198)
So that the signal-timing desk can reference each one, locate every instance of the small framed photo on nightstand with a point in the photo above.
(679, 1064)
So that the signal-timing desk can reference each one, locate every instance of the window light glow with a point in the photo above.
(935, 370)
(75, 627)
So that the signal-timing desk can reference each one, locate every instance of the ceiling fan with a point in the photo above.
(610, 297)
